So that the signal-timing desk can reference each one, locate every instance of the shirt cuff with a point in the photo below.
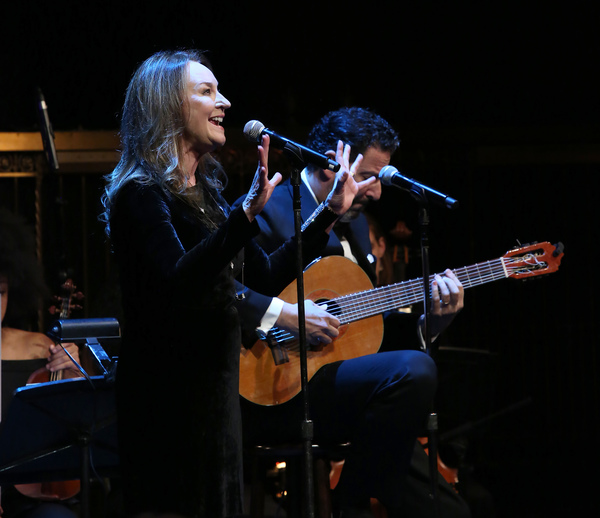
(271, 315)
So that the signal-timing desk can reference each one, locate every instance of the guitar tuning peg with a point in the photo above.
(559, 249)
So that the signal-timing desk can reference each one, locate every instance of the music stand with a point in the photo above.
(61, 430)
(58, 431)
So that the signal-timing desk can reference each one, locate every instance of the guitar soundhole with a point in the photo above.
(332, 306)
(334, 309)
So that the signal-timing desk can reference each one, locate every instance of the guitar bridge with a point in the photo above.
(279, 352)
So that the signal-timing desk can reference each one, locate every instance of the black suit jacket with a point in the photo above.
(276, 223)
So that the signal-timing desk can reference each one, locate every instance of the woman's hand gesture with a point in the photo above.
(261, 188)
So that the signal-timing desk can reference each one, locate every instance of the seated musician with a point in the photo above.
(27, 353)
(378, 402)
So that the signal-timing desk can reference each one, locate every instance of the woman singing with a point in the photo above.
(179, 248)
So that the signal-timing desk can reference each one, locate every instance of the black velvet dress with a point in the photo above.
(177, 378)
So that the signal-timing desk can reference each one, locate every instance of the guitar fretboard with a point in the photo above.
(356, 306)
(365, 304)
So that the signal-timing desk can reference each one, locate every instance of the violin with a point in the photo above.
(64, 489)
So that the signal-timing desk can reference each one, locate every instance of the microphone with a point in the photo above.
(255, 129)
(47, 131)
(389, 175)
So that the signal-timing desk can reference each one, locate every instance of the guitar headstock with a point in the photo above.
(531, 260)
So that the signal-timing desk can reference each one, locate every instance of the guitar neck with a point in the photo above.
(356, 306)
(365, 304)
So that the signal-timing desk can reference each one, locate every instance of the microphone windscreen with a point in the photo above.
(253, 130)
(386, 174)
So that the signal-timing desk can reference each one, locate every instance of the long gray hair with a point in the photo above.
(151, 129)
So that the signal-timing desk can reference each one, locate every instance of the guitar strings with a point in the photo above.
(357, 306)
(362, 305)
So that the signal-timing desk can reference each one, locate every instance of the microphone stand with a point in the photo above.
(307, 424)
(429, 347)
(419, 192)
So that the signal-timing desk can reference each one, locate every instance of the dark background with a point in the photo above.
(495, 104)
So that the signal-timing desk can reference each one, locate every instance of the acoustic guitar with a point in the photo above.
(270, 369)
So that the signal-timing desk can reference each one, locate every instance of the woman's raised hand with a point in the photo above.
(261, 188)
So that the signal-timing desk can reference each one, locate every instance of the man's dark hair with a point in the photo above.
(358, 127)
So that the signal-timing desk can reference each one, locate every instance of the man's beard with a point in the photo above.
(353, 212)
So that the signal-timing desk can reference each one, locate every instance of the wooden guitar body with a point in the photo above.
(264, 382)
